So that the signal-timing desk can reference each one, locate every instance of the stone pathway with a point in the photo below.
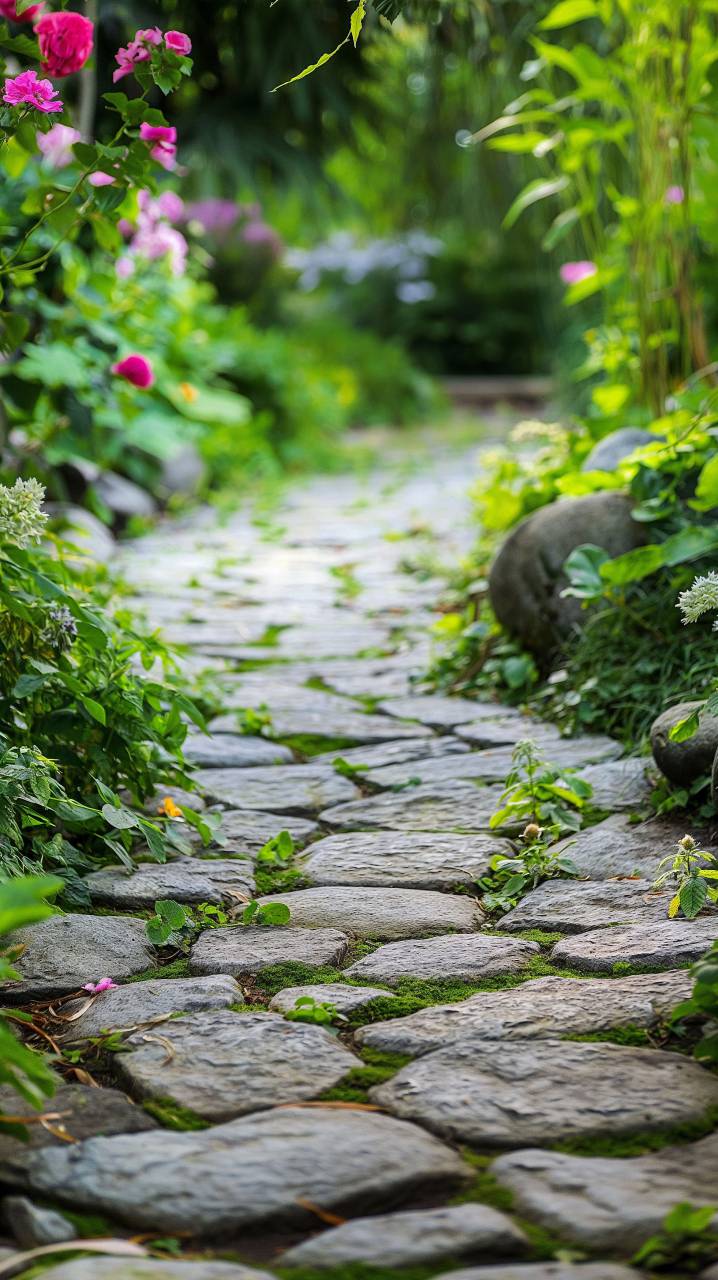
(477, 1103)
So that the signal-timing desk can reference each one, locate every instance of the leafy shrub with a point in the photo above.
(703, 1005)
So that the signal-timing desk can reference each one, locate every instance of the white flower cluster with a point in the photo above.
(22, 520)
(700, 598)
(405, 257)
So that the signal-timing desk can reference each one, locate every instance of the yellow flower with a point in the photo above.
(188, 392)
(168, 808)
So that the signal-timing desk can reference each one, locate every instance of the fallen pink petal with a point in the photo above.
(575, 272)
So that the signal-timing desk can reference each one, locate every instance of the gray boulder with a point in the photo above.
(34, 1226)
(527, 578)
(83, 530)
(123, 498)
(606, 455)
(684, 762)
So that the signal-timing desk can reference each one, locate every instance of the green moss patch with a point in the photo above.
(175, 969)
(639, 1144)
(173, 1116)
(315, 744)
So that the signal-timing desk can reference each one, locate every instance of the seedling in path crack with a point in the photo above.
(535, 862)
(277, 850)
(170, 926)
(687, 1241)
(266, 913)
(688, 873)
(321, 1012)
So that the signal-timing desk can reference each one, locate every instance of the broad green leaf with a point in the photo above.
(692, 896)
(706, 495)
(611, 397)
(171, 912)
(356, 21)
(120, 818)
(568, 11)
(274, 913)
(685, 728)
(94, 709)
(583, 570)
(23, 901)
(633, 566)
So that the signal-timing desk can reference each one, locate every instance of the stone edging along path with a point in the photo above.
(493, 1103)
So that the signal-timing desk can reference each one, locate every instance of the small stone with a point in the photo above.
(505, 728)
(214, 880)
(344, 997)
(144, 1002)
(608, 1205)
(463, 1232)
(297, 711)
(379, 913)
(260, 1169)
(684, 762)
(613, 448)
(618, 847)
(542, 1007)
(123, 497)
(417, 861)
(620, 784)
(445, 807)
(62, 953)
(244, 950)
(494, 765)
(80, 1112)
(242, 831)
(81, 529)
(151, 1269)
(575, 906)
(375, 757)
(547, 1091)
(299, 788)
(433, 709)
(223, 1064)
(664, 945)
(545, 1271)
(233, 751)
(461, 956)
(33, 1226)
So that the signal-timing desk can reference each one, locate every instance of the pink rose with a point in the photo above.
(65, 40)
(164, 138)
(136, 369)
(138, 50)
(56, 145)
(178, 42)
(8, 9)
(27, 90)
(575, 272)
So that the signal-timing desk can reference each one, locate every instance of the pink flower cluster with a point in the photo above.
(164, 143)
(56, 145)
(26, 90)
(140, 49)
(153, 237)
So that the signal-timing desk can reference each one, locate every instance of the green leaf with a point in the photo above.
(171, 912)
(23, 901)
(692, 896)
(685, 728)
(314, 67)
(539, 189)
(356, 21)
(706, 495)
(567, 12)
(121, 818)
(274, 913)
(94, 709)
(583, 570)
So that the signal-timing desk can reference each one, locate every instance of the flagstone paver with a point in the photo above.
(383, 897)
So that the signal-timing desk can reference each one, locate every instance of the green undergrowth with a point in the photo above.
(356, 1084)
(630, 1035)
(88, 1226)
(175, 969)
(314, 744)
(171, 1115)
(642, 1143)
(358, 1271)
(273, 877)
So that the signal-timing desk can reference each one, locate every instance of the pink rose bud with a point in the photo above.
(178, 42)
(65, 40)
(575, 272)
(136, 369)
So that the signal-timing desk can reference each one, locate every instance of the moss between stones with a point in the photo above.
(486, 1189)
(175, 969)
(315, 744)
(277, 878)
(356, 1083)
(358, 1271)
(628, 1035)
(171, 1115)
(88, 1225)
(639, 1144)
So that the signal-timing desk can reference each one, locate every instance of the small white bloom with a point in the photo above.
(22, 519)
(699, 598)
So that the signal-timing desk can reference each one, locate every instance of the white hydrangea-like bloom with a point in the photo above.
(22, 520)
(700, 598)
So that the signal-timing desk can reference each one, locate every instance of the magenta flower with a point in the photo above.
(65, 40)
(171, 206)
(105, 984)
(675, 195)
(136, 369)
(100, 179)
(56, 145)
(178, 42)
(27, 90)
(164, 138)
(575, 272)
(138, 50)
(8, 9)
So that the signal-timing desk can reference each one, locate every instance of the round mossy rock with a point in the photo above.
(527, 577)
(684, 762)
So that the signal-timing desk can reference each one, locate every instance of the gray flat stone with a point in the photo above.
(144, 1002)
(542, 1007)
(232, 751)
(417, 861)
(299, 788)
(80, 1112)
(468, 957)
(664, 945)
(247, 950)
(619, 784)
(574, 906)
(546, 1271)
(64, 952)
(342, 995)
(434, 710)
(384, 753)
(491, 766)
(504, 728)
(547, 1091)
(618, 847)
(243, 831)
(296, 710)
(33, 1225)
(151, 1269)
(184, 879)
(462, 1232)
(445, 807)
(251, 1171)
(380, 913)
(222, 1064)
(608, 1205)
